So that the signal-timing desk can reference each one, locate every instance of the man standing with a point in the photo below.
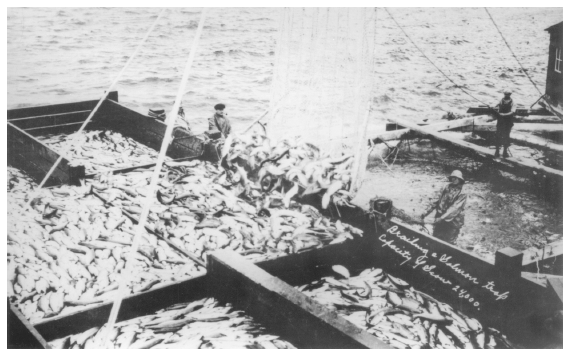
(220, 121)
(449, 217)
(505, 120)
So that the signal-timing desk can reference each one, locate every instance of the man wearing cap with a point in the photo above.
(220, 121)
(449, 217)
(505, 120)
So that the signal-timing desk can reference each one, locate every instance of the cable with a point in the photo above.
(520, 64)
(434, 65)
(58, 161)
(154, 179)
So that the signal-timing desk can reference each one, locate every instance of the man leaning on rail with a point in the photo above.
(505, 116)
(449, 217)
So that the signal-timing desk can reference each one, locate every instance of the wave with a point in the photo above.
(383, 99)
(58, 91)
(190, 25)
(432, 93)
(266, 80)
(157, 80)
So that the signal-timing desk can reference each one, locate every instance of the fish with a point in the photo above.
(396, 316)
(341, 270)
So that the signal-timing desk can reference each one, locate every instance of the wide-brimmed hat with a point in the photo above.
(456, 174)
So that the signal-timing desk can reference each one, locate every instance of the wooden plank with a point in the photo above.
(22, 145)
(57, 108)
(526, 127)
(536, 142)
(485, 110)
(439, 126)
(132, 306)
(557, 110)
(51, 120)
(555, 284)
(55, 129)
(534, 254)
(21, 334)
(37, 168)
(508, 263)
(516, 166)
(147, 130)
(282, 308)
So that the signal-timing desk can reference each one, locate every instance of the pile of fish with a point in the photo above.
(401, 316)
(67, 250)
(101, 150)
(203, 324)
(194, 209)
(297, 168)
(19, 183)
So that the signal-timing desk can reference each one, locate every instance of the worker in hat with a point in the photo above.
(505, 115)
(220, 121)
(449, 217)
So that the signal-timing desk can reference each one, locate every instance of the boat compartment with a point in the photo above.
(495, 294)
(277, 307)
(27, 127)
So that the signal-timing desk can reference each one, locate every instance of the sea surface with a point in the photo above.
(58, 55)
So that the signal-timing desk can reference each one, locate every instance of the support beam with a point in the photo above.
(439, 126)
(521, 167)
(283, 309)
(480, 125)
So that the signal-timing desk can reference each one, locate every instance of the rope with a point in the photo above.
(432, 63)
(154, 179)
(58, 161)
(519, 62)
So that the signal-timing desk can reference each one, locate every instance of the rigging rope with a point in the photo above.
(519, 62)
(58, 161)
(154, 179)
(432, 63)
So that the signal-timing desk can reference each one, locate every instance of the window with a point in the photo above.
(558, 60)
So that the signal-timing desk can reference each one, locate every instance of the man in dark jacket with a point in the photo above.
(449, 217)
(220, 121)
(505, 120)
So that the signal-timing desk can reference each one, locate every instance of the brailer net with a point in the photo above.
(323, 79)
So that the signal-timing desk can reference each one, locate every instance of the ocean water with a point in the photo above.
(58, 55)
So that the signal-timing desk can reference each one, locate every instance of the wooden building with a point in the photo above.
(553, 93)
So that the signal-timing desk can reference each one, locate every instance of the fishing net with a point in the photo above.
(323, 78)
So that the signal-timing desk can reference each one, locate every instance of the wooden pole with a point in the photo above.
(517, 166)
(255, 122)
(439, 126)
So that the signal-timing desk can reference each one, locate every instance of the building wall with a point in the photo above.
(554, 78)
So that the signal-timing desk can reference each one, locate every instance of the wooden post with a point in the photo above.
(508, 263)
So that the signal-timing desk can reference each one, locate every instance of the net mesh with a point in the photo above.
(323, 79)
